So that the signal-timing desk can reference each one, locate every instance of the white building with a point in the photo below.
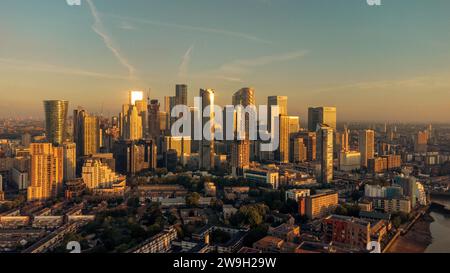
(263, 176)
(21, 179)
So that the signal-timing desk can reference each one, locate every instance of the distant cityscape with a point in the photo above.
(125, 184)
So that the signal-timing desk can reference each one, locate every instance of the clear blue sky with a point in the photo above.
(374, 63)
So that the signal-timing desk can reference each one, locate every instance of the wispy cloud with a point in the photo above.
(125, 25)
(43, 67)
(99, 28)
(184, 66)
(193, 28)
(244, 65)
(423, 82)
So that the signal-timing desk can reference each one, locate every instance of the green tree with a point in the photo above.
(193, 199)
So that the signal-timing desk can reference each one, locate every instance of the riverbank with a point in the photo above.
(417, 239)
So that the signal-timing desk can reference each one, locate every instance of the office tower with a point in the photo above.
(325, 143)
(56, 120)
(240, 156)
(195, 145)
(294, 128)
(164, 123)
(70, 161)
(135, 96)
(207, 146)
(240, 149)
(321, 115)
(173, 103)
(142, 108)
(132, 123)
(298, 150)
(137, 99)
(310, 141)
(244, 97)
(154, 119)
(366, 146)
(182, 145)
(46, 172)
(294, 124)
(421, 142)
(345, 147)
(282, 153)
(281, 102)
(167, 104)
(135, 156)
(181, 94)
(86, 132)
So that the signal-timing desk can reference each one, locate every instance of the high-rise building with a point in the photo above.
(56, 120)
(181, 94)
(321, 115)
(70, 161)
(132, 123)
(154, 119)
(135, 96)
(298, 150)
(142, 108)
(421, 142)
(325, 142)
(282, 153)
(46, 171)
(167, 104)
(366, 146)
(240, 149)
(245, 97)
(240, 156)
(345, 136)
(207, 154)
(86, 132)
(294, 124)
(281, 102)
(182, 145)
(310, 141)
(135, 156)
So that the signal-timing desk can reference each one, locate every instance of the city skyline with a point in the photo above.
(348, 55)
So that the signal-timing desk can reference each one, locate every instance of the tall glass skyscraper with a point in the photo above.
(56, 120)
(181, 94)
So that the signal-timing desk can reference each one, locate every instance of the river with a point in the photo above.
(440, 229)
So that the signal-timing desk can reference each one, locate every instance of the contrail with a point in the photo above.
(184, 66)
(98, 28)
(193, 28)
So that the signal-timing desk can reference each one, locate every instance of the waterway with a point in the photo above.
(440, 229)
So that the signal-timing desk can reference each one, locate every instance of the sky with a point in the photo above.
(374, 63)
